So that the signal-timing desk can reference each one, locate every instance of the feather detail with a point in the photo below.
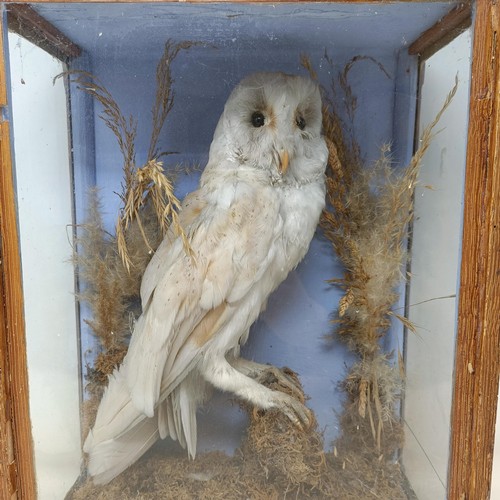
(116, 414)
(110, 458)
(143, 366)
(209, 325)
(164, 421)
(121, 433)
(177, 414)
(188, 408)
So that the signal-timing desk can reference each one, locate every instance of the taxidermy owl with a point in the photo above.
(249, 224)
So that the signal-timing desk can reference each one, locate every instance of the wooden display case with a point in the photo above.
(477, 343)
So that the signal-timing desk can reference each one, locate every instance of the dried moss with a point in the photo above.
(276, 460)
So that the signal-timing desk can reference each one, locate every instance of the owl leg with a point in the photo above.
(219, 372)
(269, 373)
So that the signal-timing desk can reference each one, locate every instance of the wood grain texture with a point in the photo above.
(441, 33)
(225, 1)
(8, 470)
(478, 337)
(16, 467)
(7, 463)
(21, 467)
(25, 21)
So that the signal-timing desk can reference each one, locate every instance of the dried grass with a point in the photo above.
(110, 290)
(368, 225)
(146, 183)
(367, 219)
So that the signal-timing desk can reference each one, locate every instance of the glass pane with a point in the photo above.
(377, 394)
(435, 264)
(45, 208)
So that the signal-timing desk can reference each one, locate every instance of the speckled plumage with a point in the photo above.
(249, 224)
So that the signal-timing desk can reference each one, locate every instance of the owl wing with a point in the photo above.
(188, 300)
(192, 205)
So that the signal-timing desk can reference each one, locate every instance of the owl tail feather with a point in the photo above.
(121, 433)
(177, 417)
(109, 458)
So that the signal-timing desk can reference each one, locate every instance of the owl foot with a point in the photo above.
(268, 374)
(283, 377)
(298, 414)
(239, 377)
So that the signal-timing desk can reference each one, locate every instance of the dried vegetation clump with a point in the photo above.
(110, 266)
(367, 220)
(276, 460)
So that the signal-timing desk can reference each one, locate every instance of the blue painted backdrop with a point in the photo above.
(122, 45)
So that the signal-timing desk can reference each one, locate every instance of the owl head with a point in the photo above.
(272, 122)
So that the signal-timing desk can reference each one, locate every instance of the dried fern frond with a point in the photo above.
(367, 223)
(95, 253)
(343, 151)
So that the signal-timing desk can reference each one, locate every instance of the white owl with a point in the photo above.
(249, 224)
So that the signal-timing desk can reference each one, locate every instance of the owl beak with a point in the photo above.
(284, 160)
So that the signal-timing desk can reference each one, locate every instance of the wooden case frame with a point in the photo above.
(477, 360)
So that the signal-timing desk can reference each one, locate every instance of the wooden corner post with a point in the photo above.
(17, 476)
(478, 334)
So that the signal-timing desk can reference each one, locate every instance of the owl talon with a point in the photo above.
(298, 414)
(271, 374)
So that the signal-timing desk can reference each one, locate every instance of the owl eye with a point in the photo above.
(301, 123)
(258, 119)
